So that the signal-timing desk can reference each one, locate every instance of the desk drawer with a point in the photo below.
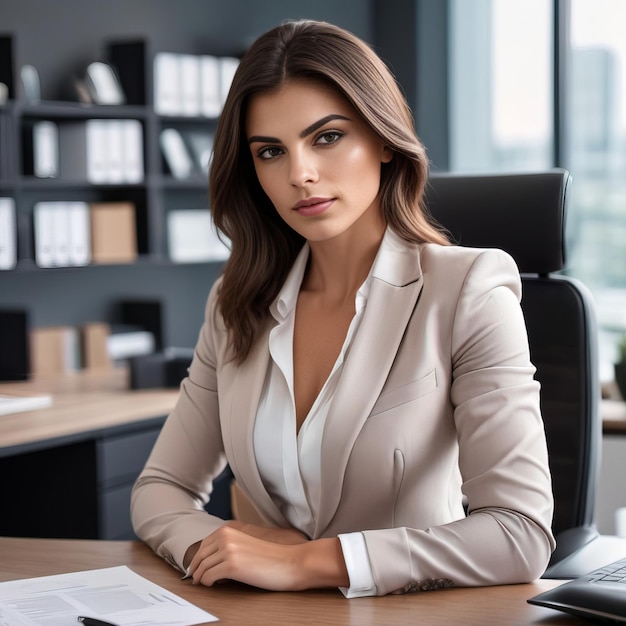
(114, 517)
(120, 459)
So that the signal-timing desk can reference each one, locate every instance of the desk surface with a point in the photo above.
(82, 402)
(237, 604)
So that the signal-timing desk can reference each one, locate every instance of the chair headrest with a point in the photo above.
(523, 214)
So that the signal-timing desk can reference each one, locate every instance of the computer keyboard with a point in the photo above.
(599, 595)
(612, 573)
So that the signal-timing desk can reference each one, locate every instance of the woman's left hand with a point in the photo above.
(229, 553)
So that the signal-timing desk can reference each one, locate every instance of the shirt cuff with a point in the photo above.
(358, 565)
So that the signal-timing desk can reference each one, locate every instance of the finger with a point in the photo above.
(214, 569)
(207, 547)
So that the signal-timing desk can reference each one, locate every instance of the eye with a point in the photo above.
(269, 152)
(328, 137)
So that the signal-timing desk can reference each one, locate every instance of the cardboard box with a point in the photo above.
(113, 232)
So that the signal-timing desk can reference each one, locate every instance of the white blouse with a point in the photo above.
(289, 463)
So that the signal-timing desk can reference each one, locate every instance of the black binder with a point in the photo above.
(14, 346)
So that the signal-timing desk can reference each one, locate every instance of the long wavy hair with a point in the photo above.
(263, 247)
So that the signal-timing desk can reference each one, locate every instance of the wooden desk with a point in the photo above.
(237, 604)
(83, 403)
(87, 449)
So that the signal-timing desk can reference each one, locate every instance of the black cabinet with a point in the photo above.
(78, 488)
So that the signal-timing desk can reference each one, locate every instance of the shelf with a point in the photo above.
(73, 152)
(196, 183)
(76, 110)
(30, 183)
(145, 260)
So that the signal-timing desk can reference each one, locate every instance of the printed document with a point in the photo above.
(114, 594)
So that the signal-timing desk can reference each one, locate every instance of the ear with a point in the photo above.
(387, 154)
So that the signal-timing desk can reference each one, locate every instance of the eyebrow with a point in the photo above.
(307, 131)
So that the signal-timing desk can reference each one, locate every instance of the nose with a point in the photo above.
(302, 168)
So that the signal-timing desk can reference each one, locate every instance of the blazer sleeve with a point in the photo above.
(169, 495)
(506, 536)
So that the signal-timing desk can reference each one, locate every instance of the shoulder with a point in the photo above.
(435, 256)
(489, 267)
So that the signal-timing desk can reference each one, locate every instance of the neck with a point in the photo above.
(338, 266)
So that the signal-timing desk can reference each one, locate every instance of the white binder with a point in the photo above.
(8, 234)
(45, 149)
(190, 85)
(167, 90)
(210, 96)
(133, 151)
(79, 233)
(43, 219)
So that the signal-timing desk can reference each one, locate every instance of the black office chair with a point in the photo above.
(524, 214)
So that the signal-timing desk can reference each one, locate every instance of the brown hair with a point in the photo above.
(263, 247)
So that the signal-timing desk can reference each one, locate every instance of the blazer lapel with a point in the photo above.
(246, 387)
(390, 304)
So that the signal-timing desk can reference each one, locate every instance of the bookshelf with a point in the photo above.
(155, 193)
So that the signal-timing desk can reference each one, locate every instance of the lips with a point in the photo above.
(313, 206)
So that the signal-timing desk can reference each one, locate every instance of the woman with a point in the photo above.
(369, 384)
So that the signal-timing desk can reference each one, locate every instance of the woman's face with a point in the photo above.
(316, 159)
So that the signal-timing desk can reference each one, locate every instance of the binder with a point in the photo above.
(40, 149)
(44, 227)
(192, 237)
(115, 160)
(103, 84)
(228, 67)
(113, 232)
(84, 150)
(79, 233)
(97, 148)
(61, 236)
(45, 149)
(190, 84)
(167, 90)
(210, 97)
(201, 147)
(175, 153)
(133, 151)
(14, 345)
(8, 234)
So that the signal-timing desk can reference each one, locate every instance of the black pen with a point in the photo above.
(92, 621)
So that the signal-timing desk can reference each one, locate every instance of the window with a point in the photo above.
(595, 154)
(502, 107)
(501, 85)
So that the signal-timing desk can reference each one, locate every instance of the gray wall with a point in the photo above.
(60, 36)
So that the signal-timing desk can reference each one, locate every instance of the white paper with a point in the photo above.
(18, 404)
(114, 594)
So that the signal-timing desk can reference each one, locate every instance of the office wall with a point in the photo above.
(59, 37)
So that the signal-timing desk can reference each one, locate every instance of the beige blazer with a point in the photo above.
(437, 401)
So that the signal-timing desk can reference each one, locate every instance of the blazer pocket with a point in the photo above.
(401, 395)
